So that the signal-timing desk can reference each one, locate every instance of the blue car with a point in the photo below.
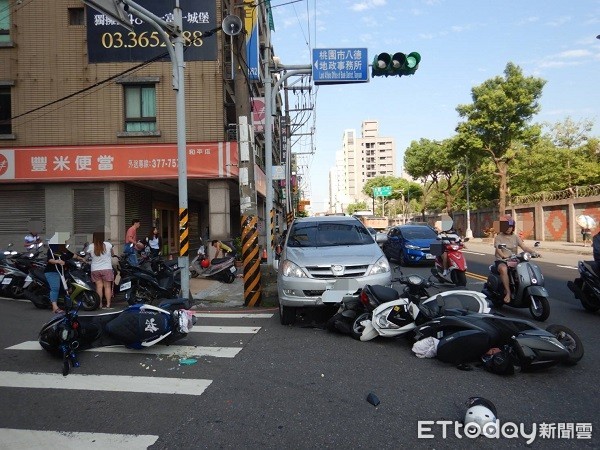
(410, 244)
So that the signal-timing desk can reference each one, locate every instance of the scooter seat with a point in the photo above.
(382, 293)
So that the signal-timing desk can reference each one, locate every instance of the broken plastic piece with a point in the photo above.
(187, 361)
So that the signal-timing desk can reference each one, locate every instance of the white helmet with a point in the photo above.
(481, 411)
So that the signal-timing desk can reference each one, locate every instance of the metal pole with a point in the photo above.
(268, 143)
(184, 262)
(468, 232)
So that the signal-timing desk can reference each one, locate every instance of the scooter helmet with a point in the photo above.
(205, 263)
(480, 411)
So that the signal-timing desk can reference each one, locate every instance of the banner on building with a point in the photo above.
(117, 162)
(252, 40)
(108, 41)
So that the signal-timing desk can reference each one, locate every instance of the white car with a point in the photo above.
(317, 252)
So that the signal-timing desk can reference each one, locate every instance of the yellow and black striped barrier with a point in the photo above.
(272, 230)
(289, 219)
(184, 239)
(251, 261)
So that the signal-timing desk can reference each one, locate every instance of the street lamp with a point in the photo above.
(468, 232)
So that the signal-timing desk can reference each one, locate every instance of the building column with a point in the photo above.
(219, 210)
(117, 228)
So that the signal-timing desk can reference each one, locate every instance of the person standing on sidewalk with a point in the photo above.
(101, 268)
(131, 241)
(586, 235)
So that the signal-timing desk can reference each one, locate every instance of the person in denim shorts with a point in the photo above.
(102, 273)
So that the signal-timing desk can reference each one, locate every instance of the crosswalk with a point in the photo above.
(210, 329)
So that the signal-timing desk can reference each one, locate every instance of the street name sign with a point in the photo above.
(383, 191)
(340, 65)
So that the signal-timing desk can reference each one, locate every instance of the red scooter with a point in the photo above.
(452, 245)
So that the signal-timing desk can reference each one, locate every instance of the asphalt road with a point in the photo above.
(301, 386)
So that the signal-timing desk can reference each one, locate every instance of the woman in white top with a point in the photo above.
(102, 270)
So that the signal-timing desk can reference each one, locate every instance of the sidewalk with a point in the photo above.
(207, 293)
(555, 246)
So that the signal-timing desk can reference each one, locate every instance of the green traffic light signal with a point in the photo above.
(398, 64)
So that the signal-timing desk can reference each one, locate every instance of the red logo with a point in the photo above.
(3, 164)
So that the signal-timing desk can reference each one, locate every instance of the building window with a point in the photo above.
(5, 20)
(75, 16)
(5, 111)
(140, 107)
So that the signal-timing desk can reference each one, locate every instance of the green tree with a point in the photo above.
(497, 122)
(353, 207)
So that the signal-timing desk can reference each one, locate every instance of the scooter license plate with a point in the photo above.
(232, 269)
(6, 280)
(125, 286)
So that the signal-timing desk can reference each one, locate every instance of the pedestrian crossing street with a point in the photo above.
(209, 329)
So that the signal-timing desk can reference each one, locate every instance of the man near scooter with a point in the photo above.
(512, 241)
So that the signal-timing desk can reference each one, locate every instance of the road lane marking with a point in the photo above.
(36, 439)
(567, 267)
(470, 252)
(109, 383)
(233, 330)
(170, 350)
(235, 315)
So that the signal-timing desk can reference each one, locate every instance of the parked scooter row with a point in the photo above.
(14, 268)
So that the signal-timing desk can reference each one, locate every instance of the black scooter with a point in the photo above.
(587, 286)
(466, 338)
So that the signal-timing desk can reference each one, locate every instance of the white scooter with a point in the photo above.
(403, 315)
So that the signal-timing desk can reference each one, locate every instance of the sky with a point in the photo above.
(462, 43)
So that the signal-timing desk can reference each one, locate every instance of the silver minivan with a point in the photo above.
(317, 252)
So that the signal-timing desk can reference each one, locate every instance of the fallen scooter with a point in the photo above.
(136, 327)
(471, 337)
(383, 311)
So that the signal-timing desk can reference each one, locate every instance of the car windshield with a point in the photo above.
(419, 233)
(326, 234)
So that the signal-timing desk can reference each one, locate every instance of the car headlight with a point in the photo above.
(381, 266)
(412, 247)
(289, 269)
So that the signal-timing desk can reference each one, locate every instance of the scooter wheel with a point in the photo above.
(90, 300)
(542, 312)
(570, 340)
(357, 328)
(230, 278)
(459, 278)
(193, 273)
(585, 300)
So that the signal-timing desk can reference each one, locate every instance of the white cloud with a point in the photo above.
(368, 4)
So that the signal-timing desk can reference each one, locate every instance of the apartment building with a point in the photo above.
(88, 122)
(362, 158)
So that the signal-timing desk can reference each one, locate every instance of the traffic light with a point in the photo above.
(399, 64)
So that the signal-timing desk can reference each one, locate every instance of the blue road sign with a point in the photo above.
(340, 65)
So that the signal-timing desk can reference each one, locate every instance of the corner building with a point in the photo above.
(88, 123)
